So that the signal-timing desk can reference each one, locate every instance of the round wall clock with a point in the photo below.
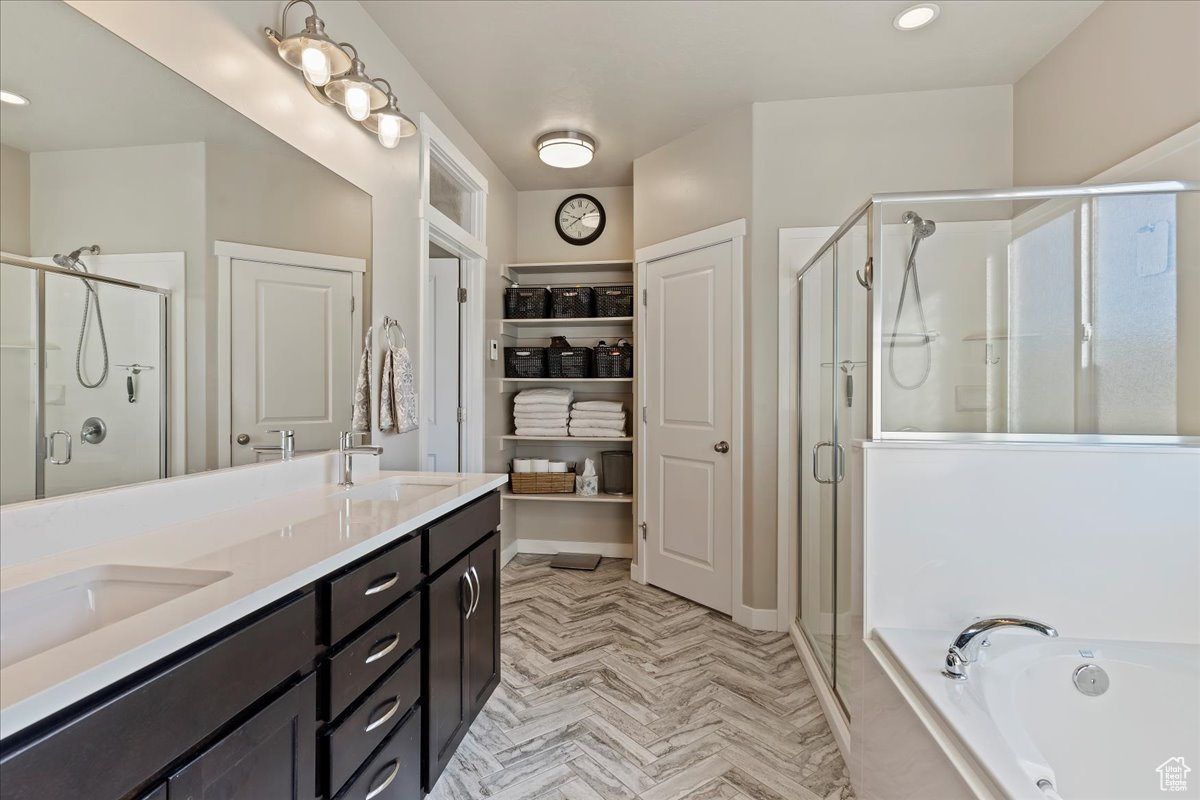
(580, 219)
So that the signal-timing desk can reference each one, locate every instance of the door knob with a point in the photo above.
(243, 438)
(721, 447)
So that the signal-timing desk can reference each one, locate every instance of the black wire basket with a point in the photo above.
(569, 362)
(570, 302)
(614, 360)
(526, 303)
(614, 301)
(524, 362)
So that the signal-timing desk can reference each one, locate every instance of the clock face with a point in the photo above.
(580, 219)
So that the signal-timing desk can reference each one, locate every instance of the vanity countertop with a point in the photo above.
(270, 549)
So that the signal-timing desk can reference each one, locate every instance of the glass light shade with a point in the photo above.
(358, 103)
(355, 91)
(316, 67)
(390, 124)
(566, 149)
(295, 50)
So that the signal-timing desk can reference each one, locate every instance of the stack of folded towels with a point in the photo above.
(597, 418)
(542, 412)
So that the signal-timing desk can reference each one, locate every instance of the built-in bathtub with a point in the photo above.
(1020, 719)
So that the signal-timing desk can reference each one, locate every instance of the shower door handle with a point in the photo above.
(815, 456)
(50, 448)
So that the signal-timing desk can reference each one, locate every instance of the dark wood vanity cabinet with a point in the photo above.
(362, 685)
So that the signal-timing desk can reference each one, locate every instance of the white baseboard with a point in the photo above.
(756, 619)
(506, 555)
(829, 704)
(551, 547)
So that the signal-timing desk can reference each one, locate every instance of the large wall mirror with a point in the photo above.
(176, 282)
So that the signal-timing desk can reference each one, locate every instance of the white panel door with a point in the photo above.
(441, 412)
(292, 359)
(689, 392)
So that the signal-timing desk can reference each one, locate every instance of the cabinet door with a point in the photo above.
(446, 669)
(483, 627)
(272, 754)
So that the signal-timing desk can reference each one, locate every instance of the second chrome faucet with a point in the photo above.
(965, 648)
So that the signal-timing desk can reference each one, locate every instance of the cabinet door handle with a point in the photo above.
(377, 652)
(382, 584)
(478, 591)
(391, 712)
(470, 607)
(378, 790)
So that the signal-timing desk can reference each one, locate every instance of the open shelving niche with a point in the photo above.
(557, 515)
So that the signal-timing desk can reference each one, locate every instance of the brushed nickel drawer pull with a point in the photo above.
(378, 790)
(391, 712)
(378, 652)
(382, 584)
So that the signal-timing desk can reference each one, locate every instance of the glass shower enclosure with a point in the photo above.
(1052, 314)
(83, 381)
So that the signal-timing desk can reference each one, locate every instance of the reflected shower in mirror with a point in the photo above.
(178, 284)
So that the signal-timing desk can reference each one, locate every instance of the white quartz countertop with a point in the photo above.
(270, 549)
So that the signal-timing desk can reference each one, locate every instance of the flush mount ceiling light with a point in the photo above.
(12, 98)
(311, 50)
(389, 123)
(917, 16)
(333, 73)
(566, 149)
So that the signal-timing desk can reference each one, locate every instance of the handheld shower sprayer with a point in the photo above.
(72, 262)
(921, 229)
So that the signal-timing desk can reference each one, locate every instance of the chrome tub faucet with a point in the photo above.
(965, 649)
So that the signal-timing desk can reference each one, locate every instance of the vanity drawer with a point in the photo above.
(395, 771)
(369, 588)
(449, 537)
(369, 724)
(369, 656)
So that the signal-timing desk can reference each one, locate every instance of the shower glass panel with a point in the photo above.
(20, 364)
(103, 384)
(1038, 313)
(816, 613)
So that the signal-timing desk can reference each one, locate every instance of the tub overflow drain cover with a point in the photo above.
(1091, 680)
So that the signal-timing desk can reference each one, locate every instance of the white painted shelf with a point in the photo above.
(551, 267)
(576, 322)
(566, 439)
(507, 494)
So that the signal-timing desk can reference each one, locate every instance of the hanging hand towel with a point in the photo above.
(397, 389)
(361, 420)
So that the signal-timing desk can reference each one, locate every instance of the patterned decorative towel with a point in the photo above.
(599, 405)
(361, 420)
(398, 387)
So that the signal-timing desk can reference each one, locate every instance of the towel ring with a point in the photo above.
(388, 325)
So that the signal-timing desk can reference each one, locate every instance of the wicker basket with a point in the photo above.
(569, 362)
(614, 301)
(524, 362)
(526, 303)
(542, 482)
(613, 360)
(570, 302)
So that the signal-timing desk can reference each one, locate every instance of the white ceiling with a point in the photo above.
(637, 74)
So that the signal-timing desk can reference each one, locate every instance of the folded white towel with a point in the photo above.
(599, 405)
(540, 408)
(542, 431)
(555, 396)
(608, 424)
(539, 422)
(578, 414)
(577, 430)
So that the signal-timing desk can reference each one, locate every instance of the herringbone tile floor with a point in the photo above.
(618, 691)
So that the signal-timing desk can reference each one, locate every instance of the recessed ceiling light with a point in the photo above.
(566, 149)
(917, 16)
(13, 98)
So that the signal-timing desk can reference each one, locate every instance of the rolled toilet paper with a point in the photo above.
(522, 465)
(539, 465)
(558, 466)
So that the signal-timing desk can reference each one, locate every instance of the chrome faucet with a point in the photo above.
(347, 450)
(965, 649)
(286, 448)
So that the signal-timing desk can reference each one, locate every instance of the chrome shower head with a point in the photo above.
(922, 228)
(71, 260)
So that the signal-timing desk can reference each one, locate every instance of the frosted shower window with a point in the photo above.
(1133, 346)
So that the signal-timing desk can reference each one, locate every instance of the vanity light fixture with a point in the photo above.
(333, 73)
(311, 50)
(566, 149)
(917, 16)
(12, 98)
(389, 123)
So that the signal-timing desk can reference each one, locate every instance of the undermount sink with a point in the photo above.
(43, 615)
(398, 490)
